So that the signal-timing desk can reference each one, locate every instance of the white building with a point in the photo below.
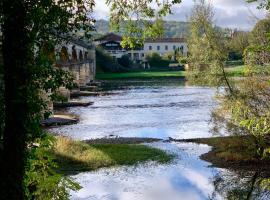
(111, 43)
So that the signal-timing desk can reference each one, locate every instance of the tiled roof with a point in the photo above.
(165, 40)
(110, 37)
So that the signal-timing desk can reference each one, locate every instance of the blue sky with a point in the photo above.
(228, 13)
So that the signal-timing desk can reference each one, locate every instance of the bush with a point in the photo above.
(105, 62)
(182, 60)
(125, 61)
(155, 60)
(42, 179)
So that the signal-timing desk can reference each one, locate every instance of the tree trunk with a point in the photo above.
(15, 57)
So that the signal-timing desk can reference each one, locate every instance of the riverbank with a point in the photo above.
(140, 75)
(232, 71)
(75, 156)
(232, 152)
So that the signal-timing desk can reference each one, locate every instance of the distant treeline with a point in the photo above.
(171, 28)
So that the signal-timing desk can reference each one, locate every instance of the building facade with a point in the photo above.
(111, 43)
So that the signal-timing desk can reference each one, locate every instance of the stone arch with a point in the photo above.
(64, 54)
(80, 55)
(48, 51)
(74, 53)
(86, 55)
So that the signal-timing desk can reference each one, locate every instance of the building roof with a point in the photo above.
(165, 40)
(110, 37)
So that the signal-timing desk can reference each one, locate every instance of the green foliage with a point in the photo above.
(155, 60)
(125, 61)
(257, 53)
(182, 60)
(28, 38)
(105, 61)
(172, 29)
(42, 181)
(206, 48)
(139, 15)
(237, 45)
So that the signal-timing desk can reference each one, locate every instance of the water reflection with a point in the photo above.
(187, 177)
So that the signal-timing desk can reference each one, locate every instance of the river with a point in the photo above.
(156, 109)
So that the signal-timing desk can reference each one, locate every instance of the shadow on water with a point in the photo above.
(241, 185)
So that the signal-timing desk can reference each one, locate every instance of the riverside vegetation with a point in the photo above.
(244, 103)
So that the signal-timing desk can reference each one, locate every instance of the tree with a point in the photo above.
(206, 47)
(139, 16)
(249, 108)
(155, 60)
(257, 52)
(125, 61)
(27, 26)
(237, 44)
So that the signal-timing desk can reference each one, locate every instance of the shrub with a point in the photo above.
(42, 179)
(182, 60)
(155, 60)
(125, 61)
(105, 62)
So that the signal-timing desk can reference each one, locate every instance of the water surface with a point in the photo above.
(160, 110)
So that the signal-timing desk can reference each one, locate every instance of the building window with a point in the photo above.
(150, 48)
(166, 47)
(158, 48)
(174, 47)
(142, 54)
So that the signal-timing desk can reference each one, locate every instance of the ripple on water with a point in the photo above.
(162, 112)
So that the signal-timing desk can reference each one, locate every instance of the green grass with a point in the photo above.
(141, 75)
(74, 156)
(236, 71)
(231, 149)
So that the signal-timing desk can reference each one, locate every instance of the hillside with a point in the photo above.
(171, 28)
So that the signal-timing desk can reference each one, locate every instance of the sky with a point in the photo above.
(228, 13)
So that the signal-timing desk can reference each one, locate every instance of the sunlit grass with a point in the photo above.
(141, 74)
(236, 71)
(78, 156)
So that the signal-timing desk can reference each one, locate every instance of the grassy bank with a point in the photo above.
(74, 156)
(141, 75)
(236, 152)
(235, 71)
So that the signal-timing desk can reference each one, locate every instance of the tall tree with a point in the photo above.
(27, 26)
(258, 50)
(206, 47)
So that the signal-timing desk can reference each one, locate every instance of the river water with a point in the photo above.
(156, 109)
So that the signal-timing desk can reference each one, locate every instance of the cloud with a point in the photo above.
(228, 13)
